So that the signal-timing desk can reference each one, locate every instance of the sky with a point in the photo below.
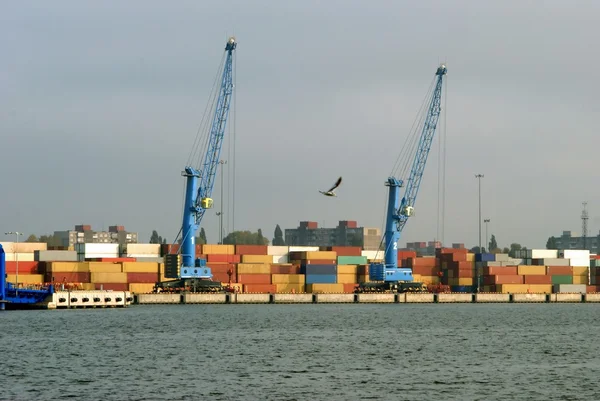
(100, 103)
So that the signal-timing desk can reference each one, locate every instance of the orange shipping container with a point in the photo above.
(525, 270)
(218, 249)
(285, 269)
(265, 259)
(537, 279)
(254, 278)
(500, 271)
(425, 270)
(503, 279)
(223, 258)
(424, 262)
(346, 250)
(251, 249)
(260, 288)
(24, 267)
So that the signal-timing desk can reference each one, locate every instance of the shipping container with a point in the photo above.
(562, 279)
(503, 279)
(67, 267)
(20, 257)
(97, 249)
(23, 267)
(321, 278)
(524, 288)
(279, 259)
(574, 253)
(278, 250)
(537, 279)
(559, 271)
(150, 259)
(524, 270)
(218, 249)
(425, 270)
(291, 288)
(140, 267)
(50, 256)
(422, 262)
(254, 278)
(541, 253)
(351, 260)
(581, 280)
(372, 255)
(307, 255)
(141, 288)
(346, 250)
(142, 277)
(109, 277)
(225, 268)
(315, 262)
(62, 277)
(104, 267)
(287, 278)
(429, 280)
(141, 249)
(285, 269)
(551, 262)
(325, 288)
(223, 258)
(253, 268)
(346, 278)
(260, 288)
(318, 269)
(25, 278)
(303, 249)
(251, 250)
(112, 286)
(485, 257)
(570, 288)
(347, 269)
(500, 270)
(265, 259)
(170, 249)
(580, 271)
(579, 262)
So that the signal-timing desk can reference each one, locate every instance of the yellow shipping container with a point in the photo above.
(253, 268)
(105, 267)
(470, 257)
(465, 281)
(67, 267)
(325, 288)
(287, 278)
(580, 279)
(26, 278)
(88, 286)
(524, 288)
(266, 259)
(141, 267)
(322, 255)
(141, 288)
(109, 278)
(429, 280)
(236, 286)
(417, 277)
(289, 288)
(523, 270)
(347, 269)
(218, 249)
(580, 271)
(346, 278)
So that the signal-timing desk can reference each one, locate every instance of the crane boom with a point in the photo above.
(399, 210)
(200, 183)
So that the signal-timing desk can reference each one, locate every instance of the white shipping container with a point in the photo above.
(55, 256)
(515, 262)
(81, 257)
(98, 249)
(142, 249)
(492, 264)
(579, 262)
(280, 259)
(575, 254)
(8, 247)
(303, 248)
(555, 262)
(372, 255)
(22, 257)
(542, 253)
(29, 247)
(573, 288)
(502, 257)
(278, 250)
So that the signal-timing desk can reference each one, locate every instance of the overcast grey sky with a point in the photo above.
(100, 103)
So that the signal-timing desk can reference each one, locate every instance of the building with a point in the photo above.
(347, 233)
(83, 234)
(570, 240)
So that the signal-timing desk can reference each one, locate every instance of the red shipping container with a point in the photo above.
(500, 270)
(425, 270)
(425, 262)
(60, 277)
(559, 270)
(319, 262)
(346, 250)
(24, 267)
(592, 288)
(223, 268)
(223, 258)
(261, 288)
(223, 277)
(463, 273)
(464, 265)
(406, 254)
(251, 250)
(349, 288)
(254, 278)
(113, 286)
(503, 279)
(142, 277)
(537, 279)
(446, 251)
(285, 269)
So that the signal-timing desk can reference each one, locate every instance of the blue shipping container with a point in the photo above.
(485, 257)
(462, 288)
(318, 269)
(321, 279)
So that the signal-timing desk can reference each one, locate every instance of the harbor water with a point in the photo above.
(303, 352)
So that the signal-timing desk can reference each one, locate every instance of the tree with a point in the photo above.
(506, 250)
(244, 238)
(493, 245)
(50, 240)
(514, 247)
(157, 239)
(32, 238)
(551, 243)
(475, 249)
(260, 240)
(201, 239)
(278, 237)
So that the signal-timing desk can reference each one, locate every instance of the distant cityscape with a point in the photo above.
(308, 233)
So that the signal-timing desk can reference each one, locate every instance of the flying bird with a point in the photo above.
(331, 191)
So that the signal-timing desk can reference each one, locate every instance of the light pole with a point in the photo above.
(479, 177)
(487, 240)
(16, 234)
(220, 214)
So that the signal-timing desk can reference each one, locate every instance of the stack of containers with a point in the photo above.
(108, 276)
(457, 272)
(141, 276)
(22, 256)
(168, 249)
(403, 257)
(254, 271)
(222, 260)
(279, 254)
(68, 273)
(320, 270)
(594, 274)
(373, 256)
(93, 251)
(349, 259)
(425, 270)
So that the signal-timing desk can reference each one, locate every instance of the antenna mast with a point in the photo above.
(584, 220)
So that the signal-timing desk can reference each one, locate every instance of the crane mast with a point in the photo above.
(400, 209)
(200, 182)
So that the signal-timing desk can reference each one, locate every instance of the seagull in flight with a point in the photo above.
(331, 191)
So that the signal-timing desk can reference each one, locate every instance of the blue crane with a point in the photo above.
(200, 181)
(399, 210)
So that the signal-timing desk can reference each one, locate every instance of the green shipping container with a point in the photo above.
(562, 279)
(352, 260)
